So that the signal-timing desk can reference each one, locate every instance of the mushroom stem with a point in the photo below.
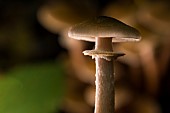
(104, 44)
(104, 99)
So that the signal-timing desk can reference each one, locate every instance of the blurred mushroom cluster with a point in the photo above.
(142, 75)
(139, 75)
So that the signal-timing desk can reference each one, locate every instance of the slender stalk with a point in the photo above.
(104, 100)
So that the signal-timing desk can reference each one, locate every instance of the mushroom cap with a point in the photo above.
(104, 27)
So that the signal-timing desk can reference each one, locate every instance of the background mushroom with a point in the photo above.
(57, 17)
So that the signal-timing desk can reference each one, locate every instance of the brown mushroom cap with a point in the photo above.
(104, 27)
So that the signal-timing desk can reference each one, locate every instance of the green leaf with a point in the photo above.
(37, 88)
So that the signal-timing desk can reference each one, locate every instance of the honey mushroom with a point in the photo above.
(103, 31)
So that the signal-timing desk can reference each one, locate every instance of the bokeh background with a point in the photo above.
(44, 71)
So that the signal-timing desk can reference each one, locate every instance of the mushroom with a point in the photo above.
(57, 17)
(103, 31)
